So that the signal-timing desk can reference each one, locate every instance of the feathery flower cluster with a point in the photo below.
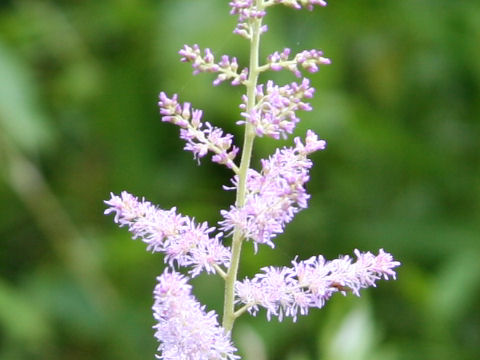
(184, 329)
(227, 68)
(274, 112)
(200, 137)
(275, 195)
(310, 283)
(266, 201)
(183, 241)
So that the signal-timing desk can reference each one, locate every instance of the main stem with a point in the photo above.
(228, 307)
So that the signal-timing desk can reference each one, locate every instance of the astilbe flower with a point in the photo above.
(200, 137)
(276, 194)
(298, 4)
(266, 201)
(227, 68)
(288, 291)
(183, 241)
(246, 10)
(274, 114)
(184, 329)
(307, 59)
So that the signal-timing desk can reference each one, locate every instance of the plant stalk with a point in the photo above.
(238, 237)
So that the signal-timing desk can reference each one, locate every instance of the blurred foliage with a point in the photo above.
(399, 106)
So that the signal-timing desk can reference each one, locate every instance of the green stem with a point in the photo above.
(228, 309)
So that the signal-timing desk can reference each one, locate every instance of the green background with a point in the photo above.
(399, 107)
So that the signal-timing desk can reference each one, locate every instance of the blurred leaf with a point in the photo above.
(455, 288)
(297, 356)
(66, 302)
(350, 334)
(21, 319)
(250, 343)
(20, 114)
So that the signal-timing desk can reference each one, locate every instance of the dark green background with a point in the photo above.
(399, 107)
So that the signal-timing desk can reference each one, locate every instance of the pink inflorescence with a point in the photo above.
(267, 200)
(274, 114)
(249, 10)
(307, 59)
(289, 291)
(310, 59)
(201, 137)
(227, 68)
(298, 4)
(275, 194)
(183, 241)
(184, 329)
